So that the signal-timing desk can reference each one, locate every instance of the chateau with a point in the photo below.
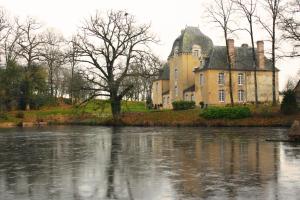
(198, 71)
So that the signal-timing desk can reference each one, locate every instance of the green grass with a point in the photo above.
(96, 108)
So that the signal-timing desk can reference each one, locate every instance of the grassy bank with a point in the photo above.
(135, 114)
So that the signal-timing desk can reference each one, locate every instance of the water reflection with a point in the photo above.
(147, 163)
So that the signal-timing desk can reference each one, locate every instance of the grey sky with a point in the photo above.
(167, 17)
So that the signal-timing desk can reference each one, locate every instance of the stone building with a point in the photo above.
(297, 92)
(198, 71)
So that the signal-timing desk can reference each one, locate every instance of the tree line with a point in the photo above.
(108, 57)
(110, 54)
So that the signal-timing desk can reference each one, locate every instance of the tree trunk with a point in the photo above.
(229, 69)
(273, 64)
(115, 107)
(255, 65)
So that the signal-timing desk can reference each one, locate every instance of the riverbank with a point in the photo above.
(136, 115)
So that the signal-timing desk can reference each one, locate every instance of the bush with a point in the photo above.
(289, 103)
(183, 105)
(226, 112)
(3, 116)
(20, 115)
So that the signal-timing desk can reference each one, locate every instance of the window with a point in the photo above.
(176, 51)
(192, 97)
(196, 52)
(176, 74)
(201, 79)
(186, 97)
(241, 79)
(164, 100)
(168, 100)
(176, 91)
(221, 79)
(221, 96)
(241, 95)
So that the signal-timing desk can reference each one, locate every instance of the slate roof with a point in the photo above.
(189, 37)
(243, 59)
(166, 92)
(164, 73)
(190, 89)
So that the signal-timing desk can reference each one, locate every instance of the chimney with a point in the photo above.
(260, 55)
(231, 50)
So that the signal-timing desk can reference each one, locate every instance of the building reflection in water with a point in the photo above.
(147, 163)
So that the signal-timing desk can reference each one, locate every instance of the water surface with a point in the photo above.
(67, 163)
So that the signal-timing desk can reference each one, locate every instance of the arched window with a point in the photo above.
(196, 50)
(176, 51)
(176, 74)
(201, 79)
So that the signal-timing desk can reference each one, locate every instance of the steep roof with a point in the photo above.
(192, 36)
(189, 89)
(164, 73)
(243, 59)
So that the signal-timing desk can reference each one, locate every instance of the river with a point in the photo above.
(82, 162)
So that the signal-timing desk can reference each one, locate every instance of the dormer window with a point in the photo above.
(196, 51)
(176, 51)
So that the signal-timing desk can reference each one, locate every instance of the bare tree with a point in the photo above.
(146, 71)
(29, 44)
(52, 53)
(110, 45)
(10, 42)
(220, 13)
(71, 59)
(248, 8)
(274, 9)
(5, 28)
(290, 24)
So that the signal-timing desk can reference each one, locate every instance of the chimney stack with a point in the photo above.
(260, 55)
(231, 50)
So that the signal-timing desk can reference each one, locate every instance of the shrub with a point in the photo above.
(3, 116)
(20, 115)
(183, 105)
(226, 112)
(289, 103)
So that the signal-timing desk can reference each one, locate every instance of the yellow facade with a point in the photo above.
(184, 64)
(158, 88)
(208, 92)
(193, 55)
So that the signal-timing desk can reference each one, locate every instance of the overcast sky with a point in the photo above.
(167, 18)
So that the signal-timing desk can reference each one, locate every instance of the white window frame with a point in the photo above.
(221, 78)
(186, 97)
(201, 79)
(241, 95)
(176, 91)
(241, 79)
(221, 96)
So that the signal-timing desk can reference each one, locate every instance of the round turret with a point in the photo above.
(190, 37)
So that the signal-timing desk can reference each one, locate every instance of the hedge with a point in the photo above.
(226, 113)
(183, 105)
(289, 103)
